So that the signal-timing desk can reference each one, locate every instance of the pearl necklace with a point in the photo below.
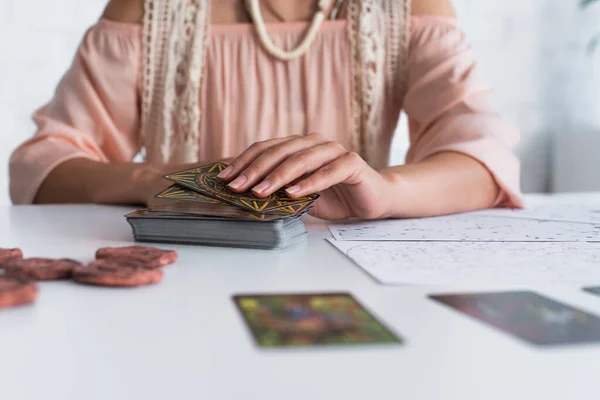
(254, 10)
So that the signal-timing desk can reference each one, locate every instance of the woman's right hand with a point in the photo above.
(150, 181)
(82, 180)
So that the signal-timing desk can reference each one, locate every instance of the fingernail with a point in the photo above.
(225, 173)
(261, 187)
(237, 182)
(293, 189)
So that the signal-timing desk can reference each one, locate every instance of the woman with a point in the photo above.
(193, 81)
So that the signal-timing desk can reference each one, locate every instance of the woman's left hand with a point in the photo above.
(348, 186)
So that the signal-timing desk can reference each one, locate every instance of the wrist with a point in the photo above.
(394, 192)
(146, 181)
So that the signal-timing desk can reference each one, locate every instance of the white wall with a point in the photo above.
(535, 54)
(533, 51)
(38, 39)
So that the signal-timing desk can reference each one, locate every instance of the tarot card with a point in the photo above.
(180, 199)
(528, 316)
(295, 320)
(204, 180)
(177, 192)
(593, 290)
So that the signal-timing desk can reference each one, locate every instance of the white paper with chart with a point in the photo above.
(459, 263)
(470, 227)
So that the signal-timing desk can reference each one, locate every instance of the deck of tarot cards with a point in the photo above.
(199, 209)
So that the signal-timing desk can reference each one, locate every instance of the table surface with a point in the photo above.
(184, 339)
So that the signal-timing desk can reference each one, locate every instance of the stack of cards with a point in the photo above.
(199, 209)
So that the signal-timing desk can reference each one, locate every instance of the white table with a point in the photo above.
(183, 339)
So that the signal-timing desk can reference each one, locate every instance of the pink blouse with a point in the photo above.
(248, 97)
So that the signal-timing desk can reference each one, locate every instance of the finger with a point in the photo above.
(344, 169)
(270, 158)
(298, 165)
(240, 162)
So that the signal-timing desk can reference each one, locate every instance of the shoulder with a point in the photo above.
(129, 11)
(441, 8)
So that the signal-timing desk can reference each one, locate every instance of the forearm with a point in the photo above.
(445, 183)
(85, 181)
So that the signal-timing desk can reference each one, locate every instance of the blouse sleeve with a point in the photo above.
(94, 113)
(449, 106)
